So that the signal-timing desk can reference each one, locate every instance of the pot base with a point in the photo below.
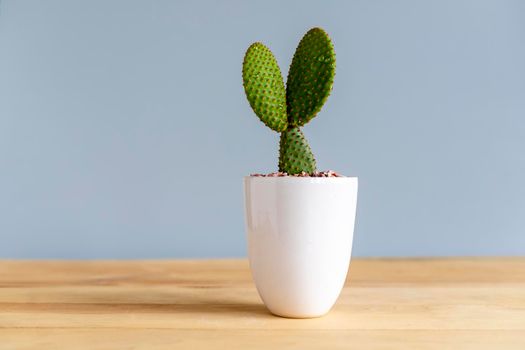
(299, 316)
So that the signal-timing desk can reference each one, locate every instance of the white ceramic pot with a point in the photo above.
(300, 234)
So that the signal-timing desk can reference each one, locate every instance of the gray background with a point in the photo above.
(124, 131)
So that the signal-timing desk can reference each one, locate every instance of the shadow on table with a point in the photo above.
(151, 302)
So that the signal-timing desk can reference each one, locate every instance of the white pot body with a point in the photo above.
(300, 233)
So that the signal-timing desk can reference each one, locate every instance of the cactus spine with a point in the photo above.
(286, 110)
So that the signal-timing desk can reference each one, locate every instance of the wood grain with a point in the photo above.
(212, 304)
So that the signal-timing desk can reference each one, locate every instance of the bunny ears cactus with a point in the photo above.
(285, 110)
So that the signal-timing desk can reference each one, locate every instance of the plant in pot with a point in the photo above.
(299, 221)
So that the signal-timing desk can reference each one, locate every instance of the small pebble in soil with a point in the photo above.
(328, 173)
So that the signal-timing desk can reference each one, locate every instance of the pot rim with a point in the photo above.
(301, 179)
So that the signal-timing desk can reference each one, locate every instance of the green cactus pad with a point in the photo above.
(295, 154)
(264, 86)
(310, 77)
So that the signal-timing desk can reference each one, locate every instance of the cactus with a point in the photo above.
(295, 155)
(286, 110)
(264, 86)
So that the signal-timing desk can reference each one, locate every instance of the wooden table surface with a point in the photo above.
(213, 304)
